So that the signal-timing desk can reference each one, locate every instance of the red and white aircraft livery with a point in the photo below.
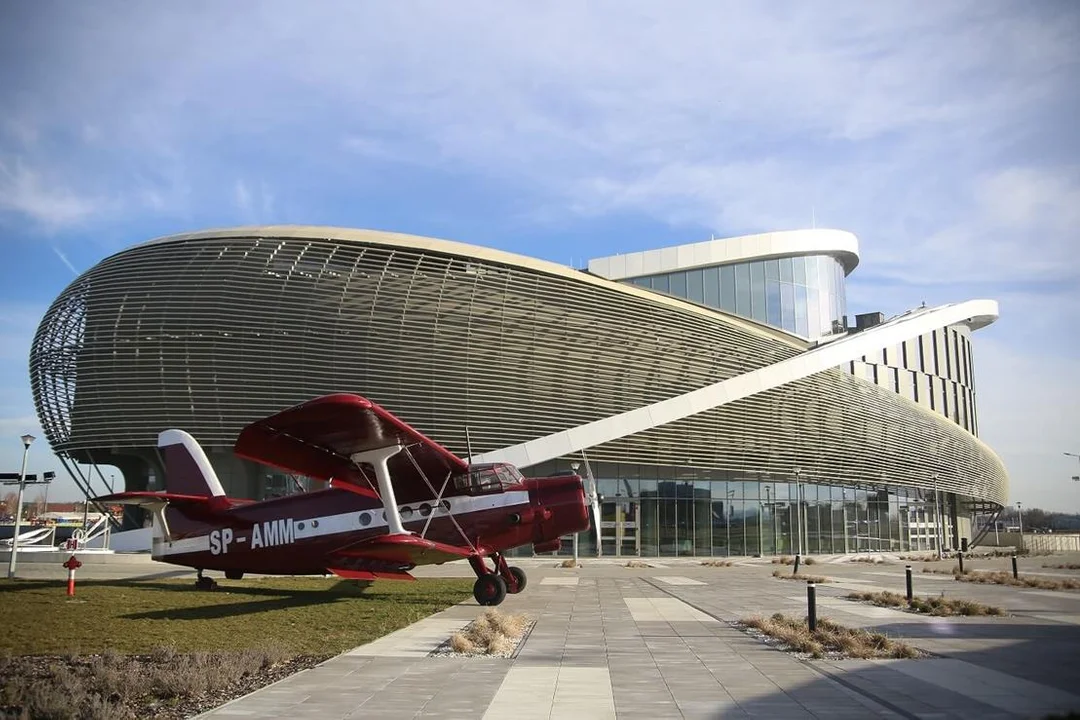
(395, 499)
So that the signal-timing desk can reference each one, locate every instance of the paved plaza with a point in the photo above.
(612, 641)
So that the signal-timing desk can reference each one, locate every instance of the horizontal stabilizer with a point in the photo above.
(370, 574)
(404, 550)
(154, 498)
(200, 508)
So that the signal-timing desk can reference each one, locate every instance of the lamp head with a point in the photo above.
(27, 439)
(574, 466)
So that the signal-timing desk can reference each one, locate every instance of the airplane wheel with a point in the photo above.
(205, 583)
(489, 590)
(519, 575)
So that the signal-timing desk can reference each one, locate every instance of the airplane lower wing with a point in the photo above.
(404, 550)
(347, 574)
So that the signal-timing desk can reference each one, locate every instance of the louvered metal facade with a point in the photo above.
(209, 331)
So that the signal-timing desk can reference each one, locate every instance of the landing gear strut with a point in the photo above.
(205, 583)
(491, 587)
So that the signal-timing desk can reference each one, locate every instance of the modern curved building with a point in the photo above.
(714, 390)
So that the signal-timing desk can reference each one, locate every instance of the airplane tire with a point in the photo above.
(489, 589)
(519, 575)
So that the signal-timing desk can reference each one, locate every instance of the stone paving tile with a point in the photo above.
(670, 667)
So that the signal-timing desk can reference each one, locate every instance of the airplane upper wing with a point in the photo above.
(317, 438)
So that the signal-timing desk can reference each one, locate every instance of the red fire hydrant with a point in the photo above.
(72, 563)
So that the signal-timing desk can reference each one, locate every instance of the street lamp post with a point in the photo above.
(937, 519)
(799, 507)
(574, 466)
(26, 440)
(771, 510)
(1020, 516)
(730, 494)
(1076, 478)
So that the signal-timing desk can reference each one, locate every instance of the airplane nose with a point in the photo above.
(560, 505)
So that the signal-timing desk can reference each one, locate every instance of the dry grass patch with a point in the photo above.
(810, 561)
(937, 606)
(939, 571)
(1004, 578)
(493, 633)
(164, 683)
(568, 563)
(830, 639)
(782, 560)
(867, 559)
(637, 564)
(1069, 566)
(807, 578)
(921, 558)
(717, 563)
(100, 654)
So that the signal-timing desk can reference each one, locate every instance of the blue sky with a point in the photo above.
(944, 138)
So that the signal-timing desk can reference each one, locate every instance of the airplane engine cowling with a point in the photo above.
(549, 546)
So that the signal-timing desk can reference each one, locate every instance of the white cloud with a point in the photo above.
(243, 197)
(1027, 409)
(943, 138)
(26, 192)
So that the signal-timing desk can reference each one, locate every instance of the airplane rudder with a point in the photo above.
(187, 468)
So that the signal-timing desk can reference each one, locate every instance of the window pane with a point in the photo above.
(785, 269)
(661, 283)
(742, 290)
(799, 265)
(800, 311)
(727, 288)
(678, 284)
(694, 288)
(772, 301)
(711, 281)
(772, 269)
(757, 286)
(813, 314)
(787, 306)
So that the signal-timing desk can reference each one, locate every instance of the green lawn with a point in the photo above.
(292, 616)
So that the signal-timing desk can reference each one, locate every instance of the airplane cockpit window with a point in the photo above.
(509, 474)
(492, 478)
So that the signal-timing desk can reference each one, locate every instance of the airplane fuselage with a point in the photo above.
(311, 532)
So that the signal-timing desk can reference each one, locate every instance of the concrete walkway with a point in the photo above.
(612, 641)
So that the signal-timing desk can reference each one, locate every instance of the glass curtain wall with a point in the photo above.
(696, 516)
(802, 295)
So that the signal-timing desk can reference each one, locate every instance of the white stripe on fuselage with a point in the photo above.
(308, 528)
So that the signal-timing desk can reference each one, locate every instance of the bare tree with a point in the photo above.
(11, 499)
(37, 505)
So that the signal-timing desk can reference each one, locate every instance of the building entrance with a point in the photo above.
(620, 527)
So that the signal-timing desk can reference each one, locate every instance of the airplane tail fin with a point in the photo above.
(188, 473)
(187, 469)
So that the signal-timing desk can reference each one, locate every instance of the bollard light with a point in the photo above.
(907, 571)
(811, 606)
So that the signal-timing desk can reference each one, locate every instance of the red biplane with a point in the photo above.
(395, 499)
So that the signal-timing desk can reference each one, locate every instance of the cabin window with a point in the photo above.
(481, 480)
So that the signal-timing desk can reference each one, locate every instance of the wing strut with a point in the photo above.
(377, 459)
(438, 500)
(448, 513)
